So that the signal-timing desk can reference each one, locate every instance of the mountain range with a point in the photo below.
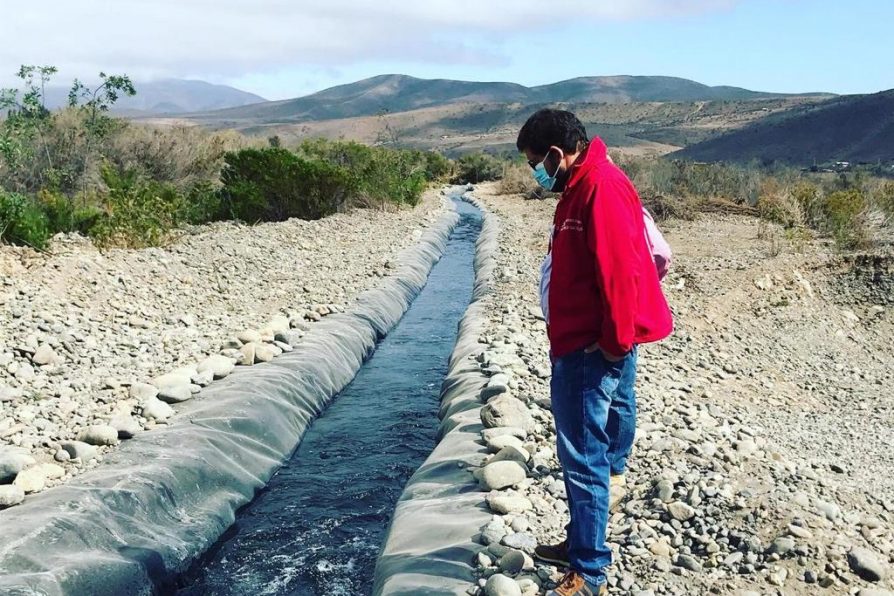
(644, 114)
(400, 93)
(171, 96)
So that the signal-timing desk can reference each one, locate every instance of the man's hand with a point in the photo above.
(606, 355)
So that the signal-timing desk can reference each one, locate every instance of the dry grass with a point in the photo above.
(516, 180)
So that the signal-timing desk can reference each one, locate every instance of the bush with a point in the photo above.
(437, 167)
(473, 168)
(202, 204)
(780, 205)
(274, 184)
(22, 221)
(64, 215)
(516, 179)
(381, 175)
(136, 212)
(883, 197)
(844, 217)
(183, 155)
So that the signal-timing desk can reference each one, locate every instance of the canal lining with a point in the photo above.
(155, 505)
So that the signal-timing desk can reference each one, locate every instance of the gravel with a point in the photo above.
(95, 343)
(762, 460)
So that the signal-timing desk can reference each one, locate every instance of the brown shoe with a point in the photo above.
(553, 553)
(574, 584)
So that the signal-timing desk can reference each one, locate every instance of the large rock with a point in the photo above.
(155, 409)
(500, 585)
(143, 391)
(45, 355)
(512, 562)
(175, 394)
(32, 480)
(782, 546)
(497, 443)
(502, 474)
(680, 511)
(126, 425)
(278, 324)
(503, 503)
(174, 378)
(220, 366)
(249, 336)
(202, 378)
(866, 564)
(521, 541)
(248, 354)
(506, 411)
(489, 434)
(11, 495)
(80, 450)
(51, 471)
(100, 434)
(13, 461)
(512, 453)
(264, 353)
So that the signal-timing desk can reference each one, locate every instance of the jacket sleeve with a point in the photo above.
(612, 232)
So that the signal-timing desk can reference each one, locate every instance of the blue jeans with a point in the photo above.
(621, 427)
(595, 423)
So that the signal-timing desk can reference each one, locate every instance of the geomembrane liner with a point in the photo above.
(133, 524)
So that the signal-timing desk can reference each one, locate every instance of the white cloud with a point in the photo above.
(232, 38)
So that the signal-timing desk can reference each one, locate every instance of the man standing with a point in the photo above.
(602, 299)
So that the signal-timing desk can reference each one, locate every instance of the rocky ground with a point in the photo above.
(96, 347)
(763, 462)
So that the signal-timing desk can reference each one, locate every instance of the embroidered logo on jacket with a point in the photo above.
(573, 225)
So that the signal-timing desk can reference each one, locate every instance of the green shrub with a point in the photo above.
(136, 212)
(473, 168)
(68, 215)
(22, 221)
(843, 217)
(202, 204)
(437, 166)
(381, 175)
(274, 184)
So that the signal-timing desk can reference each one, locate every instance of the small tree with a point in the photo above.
(27, 120)
(95, 103)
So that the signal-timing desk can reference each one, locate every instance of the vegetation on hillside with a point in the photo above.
(851, 208)
(81, 170)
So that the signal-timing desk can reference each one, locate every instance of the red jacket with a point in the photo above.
(603, 287)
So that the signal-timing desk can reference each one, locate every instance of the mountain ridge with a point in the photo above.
(168, 96)
(399, 93)
(855, 128)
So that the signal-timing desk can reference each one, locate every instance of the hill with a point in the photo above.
(399, 93)
(171, 96)
(455, 128)
(855, 128)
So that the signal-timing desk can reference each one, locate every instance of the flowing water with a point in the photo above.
(319, 524)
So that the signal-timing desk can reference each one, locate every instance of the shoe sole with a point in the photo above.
(559, 562)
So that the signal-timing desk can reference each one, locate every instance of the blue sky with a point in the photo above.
(781, 46)
(286, 48)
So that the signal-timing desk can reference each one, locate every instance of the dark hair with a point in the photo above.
(547, 128)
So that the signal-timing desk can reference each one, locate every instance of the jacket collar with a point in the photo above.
(595, 154)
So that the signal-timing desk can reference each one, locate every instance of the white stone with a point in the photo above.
(100, 434)
(11, 495)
